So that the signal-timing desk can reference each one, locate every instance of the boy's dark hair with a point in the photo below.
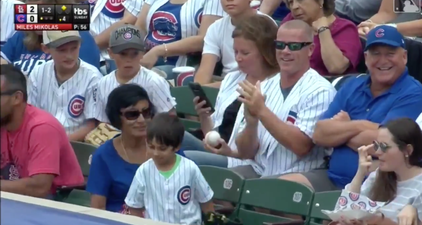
(122, 97)
(15, 79)
(166, 130)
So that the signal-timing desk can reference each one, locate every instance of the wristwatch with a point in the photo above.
(322, 29)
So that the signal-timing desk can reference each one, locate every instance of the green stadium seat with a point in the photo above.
(79, 197)
(323, 201)
(226, 184)
(276, 195)
(83, 153)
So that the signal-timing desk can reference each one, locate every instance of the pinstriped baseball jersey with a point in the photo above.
(7, 28)
(187, 23)
(302, 107)
(107, 12)
(157, 87)
(173, 200)
(72, 102)
(419, 120)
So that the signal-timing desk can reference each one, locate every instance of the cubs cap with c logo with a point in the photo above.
(385, 35)
(126, 37)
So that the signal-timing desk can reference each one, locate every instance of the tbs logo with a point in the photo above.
(80, 12)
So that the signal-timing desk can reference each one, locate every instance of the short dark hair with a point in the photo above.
(124, 96)
(15, 79)
(166, 130)
(329, 7)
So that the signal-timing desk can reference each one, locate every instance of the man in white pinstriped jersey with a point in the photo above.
(7, 21)
(127, 48)
(277, 129)
(66, 85)
(107, 15)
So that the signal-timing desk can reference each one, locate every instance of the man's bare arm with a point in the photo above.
(332, 133)
(36, 186)
(206, 69)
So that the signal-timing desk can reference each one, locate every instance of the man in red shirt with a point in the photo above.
(36, 155)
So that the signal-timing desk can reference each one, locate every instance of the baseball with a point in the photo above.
(212, 138)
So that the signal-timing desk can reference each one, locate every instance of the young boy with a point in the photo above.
(168, 188)
(127, 49)
(65, 86)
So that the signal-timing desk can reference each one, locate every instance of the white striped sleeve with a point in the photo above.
(419, 121)
(32, 86)
(316, 104)
(100, 105)
(133, 6)
(160, 89)
(201, 188)
(213, 7)
(91, 98)
(135, 195)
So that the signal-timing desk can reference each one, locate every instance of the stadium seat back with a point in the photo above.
(275, 195)
(361, 67)
(79, 197)
(226, 184)
(83, 153)
(414, 58)
(323, 201)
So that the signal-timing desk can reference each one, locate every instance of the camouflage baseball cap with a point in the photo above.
(126, 37)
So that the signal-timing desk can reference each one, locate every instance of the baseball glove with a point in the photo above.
(102, 133)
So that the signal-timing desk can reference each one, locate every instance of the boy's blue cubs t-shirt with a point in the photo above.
(111, 176)
(15, 52)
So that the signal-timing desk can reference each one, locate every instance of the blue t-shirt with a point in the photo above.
(403, 99)
(111, 176)
(15, 52)
(281, 12)
(165, 27)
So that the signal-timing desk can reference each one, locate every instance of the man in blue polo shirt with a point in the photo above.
(361, 106)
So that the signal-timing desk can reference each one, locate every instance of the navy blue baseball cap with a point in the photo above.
(384, 35)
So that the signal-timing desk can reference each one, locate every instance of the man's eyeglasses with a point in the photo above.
(293, 46)
(134, 114)
(381, 146)
(10, 92)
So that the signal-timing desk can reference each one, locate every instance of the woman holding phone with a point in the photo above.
(255, 56)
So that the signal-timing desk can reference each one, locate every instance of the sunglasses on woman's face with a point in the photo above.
(293, 46)
(381, 146)
(134, 114)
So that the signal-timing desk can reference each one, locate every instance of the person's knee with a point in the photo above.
(298, 178)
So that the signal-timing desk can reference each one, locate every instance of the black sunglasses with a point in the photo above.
(134, 114)
(10, 92)
(293, 46)
(381, 146)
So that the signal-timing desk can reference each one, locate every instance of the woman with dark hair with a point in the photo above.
(398, 180)
(337, 45)
(115, 162)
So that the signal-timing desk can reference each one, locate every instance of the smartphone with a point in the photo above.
(199, 92)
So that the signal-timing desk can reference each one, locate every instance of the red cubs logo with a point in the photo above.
(76, 106)
(163, 26)
(184, 78)
(184, 194)
(373, 204)
(342, 201)
(379, 33)
(354, 196)
(198, 17)
(355, 206)
(115, 6)
(362, 205)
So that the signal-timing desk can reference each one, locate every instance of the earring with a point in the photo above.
(406, 156)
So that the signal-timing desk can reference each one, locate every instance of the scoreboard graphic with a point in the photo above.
(52, 17)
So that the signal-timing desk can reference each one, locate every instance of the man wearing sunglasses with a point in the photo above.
(36, 155)
(363, 104)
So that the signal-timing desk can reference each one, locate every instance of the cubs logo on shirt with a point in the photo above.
(184, 79)
(76, 106)
(164, 26)
(184, 194)
(291, 118)
(114, 8)
(198, 17)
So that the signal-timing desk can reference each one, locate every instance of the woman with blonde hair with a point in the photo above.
(23, 49)
(255, 54)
